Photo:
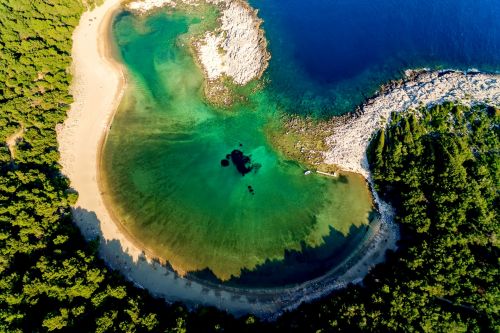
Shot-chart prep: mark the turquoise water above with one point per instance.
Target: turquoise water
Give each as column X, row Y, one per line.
column 274, row 225
column 329, row 55
column 162, row 165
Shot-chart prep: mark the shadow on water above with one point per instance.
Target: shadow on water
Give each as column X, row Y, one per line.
column 297, row 266
column 343, row 179
column 160, row 280
column 237, row 295
column 115, row 256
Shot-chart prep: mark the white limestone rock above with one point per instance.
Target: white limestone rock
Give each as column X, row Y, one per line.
column 237, row 49
column 145, row 6
column 350, row 139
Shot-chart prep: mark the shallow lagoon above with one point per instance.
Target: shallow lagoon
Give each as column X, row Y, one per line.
column 162, row 160
column 162, row 165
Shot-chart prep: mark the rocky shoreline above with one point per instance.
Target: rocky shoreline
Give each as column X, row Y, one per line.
column 144, row 7
column 233, row 53
column 345, row 139
column 238, row 49
column 351, row 134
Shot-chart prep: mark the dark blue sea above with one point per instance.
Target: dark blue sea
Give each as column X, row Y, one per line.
column 329, row 55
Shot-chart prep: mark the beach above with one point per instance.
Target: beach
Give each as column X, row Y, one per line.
column 97, row 88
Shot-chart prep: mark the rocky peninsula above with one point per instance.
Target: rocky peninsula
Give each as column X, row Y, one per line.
column 238, row 48
column 233, row 53
column 144, row 7
column 345, row 139
column 350, row 135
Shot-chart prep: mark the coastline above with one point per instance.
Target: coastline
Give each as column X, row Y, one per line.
column 350, row 135
column 98, row 87
column 234, row 53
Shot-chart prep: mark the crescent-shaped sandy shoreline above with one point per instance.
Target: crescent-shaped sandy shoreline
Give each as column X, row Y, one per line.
column 98, row 87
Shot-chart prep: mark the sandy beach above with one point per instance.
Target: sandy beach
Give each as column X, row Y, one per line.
column 97, row 88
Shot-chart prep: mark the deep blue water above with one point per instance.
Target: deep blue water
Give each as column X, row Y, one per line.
column 332, row 54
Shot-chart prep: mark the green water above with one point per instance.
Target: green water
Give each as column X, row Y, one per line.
column 162, row 167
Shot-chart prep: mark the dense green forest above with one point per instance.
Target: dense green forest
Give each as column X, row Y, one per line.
column 49, row 278
column 439, row 167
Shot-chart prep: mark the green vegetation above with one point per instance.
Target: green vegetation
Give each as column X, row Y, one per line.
column 50, row 279
column 440, row 170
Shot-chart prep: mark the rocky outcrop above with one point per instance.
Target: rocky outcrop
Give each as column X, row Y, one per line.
column 238, row 48
column 351, row 136
column 145, row 6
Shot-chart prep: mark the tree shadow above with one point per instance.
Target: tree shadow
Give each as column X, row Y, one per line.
column 115, row 256
column 239, row 297
column 297, row 266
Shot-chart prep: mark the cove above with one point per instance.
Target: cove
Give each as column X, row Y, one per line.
column 270, row 225
column 328, row 56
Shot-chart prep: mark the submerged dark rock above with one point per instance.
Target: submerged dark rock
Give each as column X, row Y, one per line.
column 241, row 161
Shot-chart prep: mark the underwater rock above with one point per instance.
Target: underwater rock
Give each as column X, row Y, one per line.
column 251, row 190
column 241, row 161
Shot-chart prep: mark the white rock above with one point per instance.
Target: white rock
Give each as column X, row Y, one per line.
column 144, row 6
column 237, row 49
column 348, row 144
